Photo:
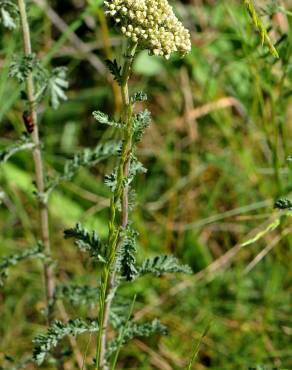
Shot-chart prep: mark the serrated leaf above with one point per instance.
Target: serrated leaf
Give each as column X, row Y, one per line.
column 21, row 67
column 161, row 265
column 284, row 204
column 85, row 159
column 57, row 84
column 111, row 180
column 104, row 119
column 14, row 259
column 135, row 168
column 135, row 330
column 45, row 343
column 141, row 122
column 115, row 70
column 126, row 259
column 139, row 96
column 87, row 242
column 78, row 294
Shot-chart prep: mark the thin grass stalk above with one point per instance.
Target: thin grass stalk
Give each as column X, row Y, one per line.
column 38, row 164
column 115, row 227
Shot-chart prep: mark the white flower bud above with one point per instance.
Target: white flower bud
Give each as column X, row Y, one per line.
column 150, row 23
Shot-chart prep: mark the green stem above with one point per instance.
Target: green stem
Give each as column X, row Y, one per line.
column 115, row 226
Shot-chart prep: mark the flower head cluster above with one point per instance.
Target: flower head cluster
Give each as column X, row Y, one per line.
column 150, row 23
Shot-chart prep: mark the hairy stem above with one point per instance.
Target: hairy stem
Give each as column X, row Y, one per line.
column 115, row 226
column 38, row 164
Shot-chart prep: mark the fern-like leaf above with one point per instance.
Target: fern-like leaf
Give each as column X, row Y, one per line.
column 139, row 96
column 78, row 294
column 14, row 259
column 85, row 159
column 8, row 14
column 126, row 261
column 162, row 265
column 104, row 119
column 21, row 67
column 111, row 180
column 87, row 242
column 136, row 167
column 45, row 343
column 56, row 85
column 136, row 330
column 115, row 70
column 284, row 204
column 141, row 122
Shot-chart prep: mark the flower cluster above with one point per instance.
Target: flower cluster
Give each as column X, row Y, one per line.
column 150, row 23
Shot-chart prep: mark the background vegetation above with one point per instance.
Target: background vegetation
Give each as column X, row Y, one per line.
column 216, row 155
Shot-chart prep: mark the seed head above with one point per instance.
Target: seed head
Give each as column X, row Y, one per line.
column 152, row 24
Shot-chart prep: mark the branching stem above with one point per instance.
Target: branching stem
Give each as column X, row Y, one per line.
column 38, row 163
column 115, row 226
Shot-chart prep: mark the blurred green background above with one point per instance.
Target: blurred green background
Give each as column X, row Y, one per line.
column 216, row 157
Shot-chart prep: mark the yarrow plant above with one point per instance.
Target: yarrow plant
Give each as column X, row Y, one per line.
column 149, row 25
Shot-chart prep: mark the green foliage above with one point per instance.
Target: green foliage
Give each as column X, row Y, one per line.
column 87, row 242
column 197, row 204
column 136, row 330
column 24, row 143
column 77, row 294
column 22, row 66
column 115, row 70
column 8, row 14
column 161, row 265
column 284, row 204
column 52, row 83
column 105, row 120
column 141, row 122
column 111, row 180
column 45, row 343
column 127, row 254
column 14, row 259
column 56, row 85
column 136, row 167
column 85, row 159
column 260, row 27
column 139, row 96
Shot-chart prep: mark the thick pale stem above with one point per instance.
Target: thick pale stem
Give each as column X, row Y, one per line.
column 120, row 195
column 39, row 171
